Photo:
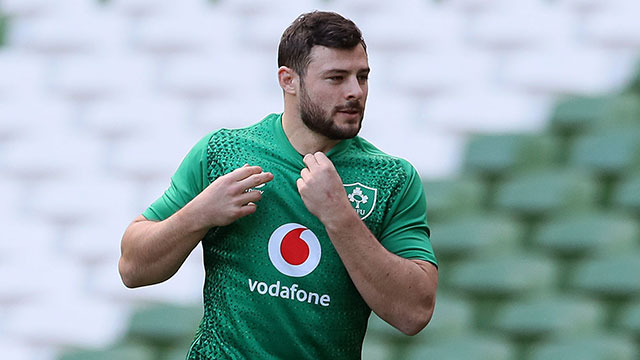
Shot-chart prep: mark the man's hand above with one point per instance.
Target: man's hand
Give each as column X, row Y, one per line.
column 227, row 198
column 152, row 251
column 321, row 188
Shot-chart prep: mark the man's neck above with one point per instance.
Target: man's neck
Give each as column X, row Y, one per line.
column 303, row 139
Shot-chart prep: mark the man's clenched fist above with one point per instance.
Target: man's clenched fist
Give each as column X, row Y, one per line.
column 321, row 188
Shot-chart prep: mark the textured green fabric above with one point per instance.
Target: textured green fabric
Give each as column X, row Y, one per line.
column 258, row 306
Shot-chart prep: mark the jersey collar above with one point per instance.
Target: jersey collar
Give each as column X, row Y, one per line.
column 335, row 151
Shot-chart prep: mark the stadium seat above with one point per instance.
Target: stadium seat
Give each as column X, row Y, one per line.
column 382, row 341
column 477, row 6
column 96, row 242
column 380, row 328
column 121, row 352
column 196, row 77
column 502, row 154
column 613, row 276
column 184, row 288
column 540, row 317
column 627, row 193
column 483, row 108
column 15, row 288
column 157, row 156
column 542, row 192
column 24, row 8
column 20, row 119
column 437, row 158
column 609, row 152
column 82, row 201
column 378, row 349
column 618, row 30
column 65, row 32
column 602, row 346
column 11, row 201
column 67, row 319
column 165, row 323
column 436, row 73
column 591, row 233
column 17, row 350
column 51, row 152
column 177, row 352
column 515, row 27
column 171, row 33
column 95, row 77
column 517, row 275
column 579, row 114
column 576, row 114
column 634, row 83
column 42, row 241
column 452, row 197
column 407, row 36
column 20, row 78
column 561, row 70
column 137, row 8
column 10, row 128
column 629, row 319
column 452, row 317
column 471, row 347
column 226, row 113
column 621, row 110
column 476, row 235
column 116, row 119
column 261, row 33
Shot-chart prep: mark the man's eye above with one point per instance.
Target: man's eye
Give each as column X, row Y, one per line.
column 335, row 78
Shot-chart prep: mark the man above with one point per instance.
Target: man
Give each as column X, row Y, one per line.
column 305, row 227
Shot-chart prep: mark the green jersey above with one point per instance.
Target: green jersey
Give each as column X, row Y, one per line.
column 275, row 287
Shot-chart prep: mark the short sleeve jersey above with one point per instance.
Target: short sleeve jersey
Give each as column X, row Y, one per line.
column 275, row 287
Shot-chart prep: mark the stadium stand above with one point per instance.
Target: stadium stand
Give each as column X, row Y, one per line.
column 596, row 347
column 526, row 136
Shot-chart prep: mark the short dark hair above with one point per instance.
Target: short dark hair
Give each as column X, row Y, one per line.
column 316, row 28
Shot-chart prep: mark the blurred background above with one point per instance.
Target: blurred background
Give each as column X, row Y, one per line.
column 523, row 118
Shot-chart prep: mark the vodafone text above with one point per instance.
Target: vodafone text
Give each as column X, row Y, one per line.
column 292, row 292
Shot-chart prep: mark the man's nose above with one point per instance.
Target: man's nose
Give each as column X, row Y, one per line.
column 354, row 90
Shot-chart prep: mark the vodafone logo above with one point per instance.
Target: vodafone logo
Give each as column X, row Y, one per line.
column 294, row 250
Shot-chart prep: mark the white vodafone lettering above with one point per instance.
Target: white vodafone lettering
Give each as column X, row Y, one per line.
column 289, row 292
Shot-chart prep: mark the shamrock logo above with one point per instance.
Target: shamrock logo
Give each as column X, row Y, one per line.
column 358, row 197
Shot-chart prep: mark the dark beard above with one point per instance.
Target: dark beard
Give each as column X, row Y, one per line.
column 319, row 122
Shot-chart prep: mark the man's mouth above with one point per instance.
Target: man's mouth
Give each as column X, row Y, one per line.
column 351, row 110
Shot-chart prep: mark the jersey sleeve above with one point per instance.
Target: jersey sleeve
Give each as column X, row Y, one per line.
column 406, row 233
column 186, row 183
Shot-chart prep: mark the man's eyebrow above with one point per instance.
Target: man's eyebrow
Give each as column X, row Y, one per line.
column 343, row 71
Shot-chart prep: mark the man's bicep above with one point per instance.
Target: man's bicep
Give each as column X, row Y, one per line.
column 407, row 233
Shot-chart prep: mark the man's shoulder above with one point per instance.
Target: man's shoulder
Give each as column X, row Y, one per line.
column 255, row 131
column 367, row 151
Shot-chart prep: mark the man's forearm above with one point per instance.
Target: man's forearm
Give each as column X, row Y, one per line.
column 153, row 251
column 400, row 291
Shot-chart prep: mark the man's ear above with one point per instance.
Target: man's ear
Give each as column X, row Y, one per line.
column 288, row 80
